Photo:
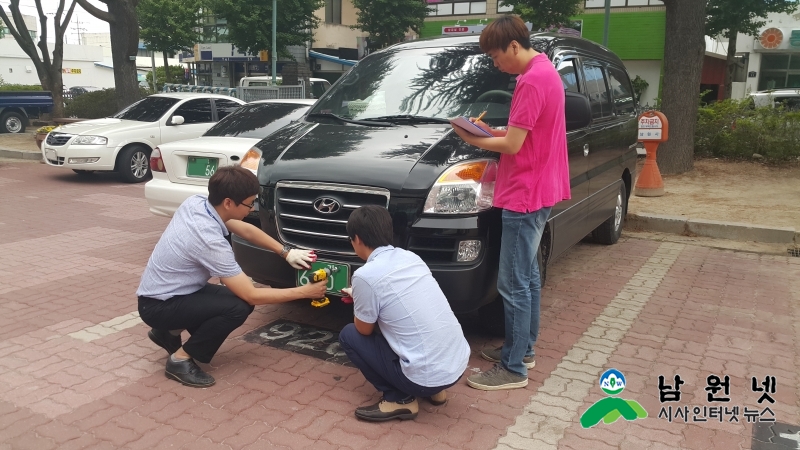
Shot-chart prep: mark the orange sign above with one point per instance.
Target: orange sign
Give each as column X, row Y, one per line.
column 771, row 38
column 653, row 127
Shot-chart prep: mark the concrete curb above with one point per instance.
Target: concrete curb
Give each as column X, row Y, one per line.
column 19, row 154
column 710, row 228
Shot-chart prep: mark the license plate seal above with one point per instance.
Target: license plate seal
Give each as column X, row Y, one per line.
column 340, row 275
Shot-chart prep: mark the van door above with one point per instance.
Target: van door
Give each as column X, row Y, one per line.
column 569, row 217
column 605, row 141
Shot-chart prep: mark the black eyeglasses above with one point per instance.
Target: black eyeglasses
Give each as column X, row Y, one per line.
column 251, row 205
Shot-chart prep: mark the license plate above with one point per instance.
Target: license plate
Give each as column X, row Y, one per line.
column 201, row 167
column 340, row 276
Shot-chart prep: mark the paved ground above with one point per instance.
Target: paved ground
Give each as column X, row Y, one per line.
column 77, row 371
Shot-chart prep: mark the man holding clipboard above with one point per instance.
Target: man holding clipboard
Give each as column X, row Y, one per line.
column 533, row 175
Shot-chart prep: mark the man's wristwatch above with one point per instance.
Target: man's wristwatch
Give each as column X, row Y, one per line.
column 285, row 251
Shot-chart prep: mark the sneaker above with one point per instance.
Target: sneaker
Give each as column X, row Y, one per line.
column 493, row 355
column 497, row 378
column 165, row 340
column 438, row 399
column 386, row 410
column 188, row 372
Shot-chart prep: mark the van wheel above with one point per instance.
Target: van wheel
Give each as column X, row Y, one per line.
column 133, row 163
column 492, row 316
column 609, row 231
column 12, row 122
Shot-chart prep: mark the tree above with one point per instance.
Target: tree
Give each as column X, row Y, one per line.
column 175, row 76
column 684, row 49
column 387, row 21
column 169, row 26
column 48, row 69
column 124, row 27
column 545, row 14
column 728, row 18
column 250, row 23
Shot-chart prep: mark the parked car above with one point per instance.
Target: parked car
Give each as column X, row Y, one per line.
column 182, row 168
column 788, row 98
column 380, row 136
column 16, row 109
column 124, row 141
column 318, row 86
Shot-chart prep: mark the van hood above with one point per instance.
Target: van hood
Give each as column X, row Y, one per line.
column 103, row 127
column 399, row 158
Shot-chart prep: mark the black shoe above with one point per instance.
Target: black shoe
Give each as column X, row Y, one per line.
column 188, row 373
column 384, row 410
column 165, row 340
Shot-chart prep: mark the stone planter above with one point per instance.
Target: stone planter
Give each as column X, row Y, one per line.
column 40, row 137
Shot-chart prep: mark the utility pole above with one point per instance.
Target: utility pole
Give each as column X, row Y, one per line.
column 274, row 31
column 605, row 27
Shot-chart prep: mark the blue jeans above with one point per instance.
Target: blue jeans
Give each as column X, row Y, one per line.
column 381, row 365
column 520, row 285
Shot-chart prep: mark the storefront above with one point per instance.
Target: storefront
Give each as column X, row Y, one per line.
column 779, row 65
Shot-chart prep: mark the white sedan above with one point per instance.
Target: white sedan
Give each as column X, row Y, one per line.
column 182, row 169
column 124, row 141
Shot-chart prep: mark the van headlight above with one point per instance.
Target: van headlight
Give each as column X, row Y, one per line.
column 464, row 188
column 90, row 140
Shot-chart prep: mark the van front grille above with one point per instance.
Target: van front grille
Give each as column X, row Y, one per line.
column 314, row 215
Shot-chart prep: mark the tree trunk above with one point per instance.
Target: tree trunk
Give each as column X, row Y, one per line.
column 57, row 89
column 683, row 63
column 124, row 44
column 166, row 68
column 731, row 62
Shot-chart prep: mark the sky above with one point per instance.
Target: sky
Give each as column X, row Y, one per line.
column 82, row 21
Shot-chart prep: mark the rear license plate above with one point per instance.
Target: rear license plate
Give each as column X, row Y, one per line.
column 339, row 279
column 201, row 167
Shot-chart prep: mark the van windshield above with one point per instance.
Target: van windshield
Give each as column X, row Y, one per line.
column 428, row 82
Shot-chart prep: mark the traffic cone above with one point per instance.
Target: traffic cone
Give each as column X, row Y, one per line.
column 649, row 183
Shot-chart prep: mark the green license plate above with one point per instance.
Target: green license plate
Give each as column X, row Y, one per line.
column 340, row 276
column 201, row 167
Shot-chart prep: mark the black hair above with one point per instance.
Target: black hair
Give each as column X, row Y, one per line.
column 372, row 224
column 233, row 182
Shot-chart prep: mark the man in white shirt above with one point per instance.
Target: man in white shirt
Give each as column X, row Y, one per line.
column 405, row 339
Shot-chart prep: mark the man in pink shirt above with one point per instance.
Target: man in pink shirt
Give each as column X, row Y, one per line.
column 532, row 177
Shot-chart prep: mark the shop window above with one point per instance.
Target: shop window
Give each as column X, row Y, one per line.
column 779, row 71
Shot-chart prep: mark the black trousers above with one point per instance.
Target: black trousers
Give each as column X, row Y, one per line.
column 210, row 315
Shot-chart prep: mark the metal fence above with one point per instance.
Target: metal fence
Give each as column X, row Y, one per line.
column 248, row 94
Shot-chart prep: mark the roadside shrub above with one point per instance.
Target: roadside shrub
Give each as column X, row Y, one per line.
column 20, row 87
column 92, row 105
column 734, row 129
column 175, row 77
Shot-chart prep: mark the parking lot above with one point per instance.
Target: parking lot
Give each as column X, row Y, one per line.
column 77, row 370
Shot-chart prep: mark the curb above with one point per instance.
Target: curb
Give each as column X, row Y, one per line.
column 19, row 154
column 735, row 231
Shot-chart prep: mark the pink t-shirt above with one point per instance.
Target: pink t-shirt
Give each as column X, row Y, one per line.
column 538, row 176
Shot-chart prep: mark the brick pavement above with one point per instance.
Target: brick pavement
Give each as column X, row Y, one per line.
column 77, row 371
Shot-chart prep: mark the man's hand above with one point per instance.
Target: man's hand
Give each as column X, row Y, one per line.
column 300, row 259
column 315, row 290
column 348, row 292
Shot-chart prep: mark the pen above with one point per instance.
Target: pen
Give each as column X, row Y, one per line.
column 481, row 116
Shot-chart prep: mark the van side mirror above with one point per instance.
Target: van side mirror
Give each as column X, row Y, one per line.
column 176, row 120
column 577, row 110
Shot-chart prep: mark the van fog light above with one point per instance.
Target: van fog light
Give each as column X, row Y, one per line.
column 82, row 160
column 468, row 251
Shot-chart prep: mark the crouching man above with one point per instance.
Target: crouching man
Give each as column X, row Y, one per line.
column 174, row 293
column 404, row 339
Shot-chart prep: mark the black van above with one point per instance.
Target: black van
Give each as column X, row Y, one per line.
column 380, row 136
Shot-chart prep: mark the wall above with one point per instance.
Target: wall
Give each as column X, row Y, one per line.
column 17, row 68
column 632, row 35
column 329, row 35
column 650, row 71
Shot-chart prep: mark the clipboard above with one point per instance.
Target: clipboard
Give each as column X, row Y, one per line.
column 465, row 123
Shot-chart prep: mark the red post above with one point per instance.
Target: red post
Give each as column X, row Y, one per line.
column 653, row 130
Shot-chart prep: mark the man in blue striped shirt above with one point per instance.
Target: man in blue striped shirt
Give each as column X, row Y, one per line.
column 174, row 293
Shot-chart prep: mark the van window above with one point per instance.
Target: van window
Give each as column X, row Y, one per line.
column 430, row 82
column 568, row 75
column 195, row 111
column 597, row 91
column 621, row 90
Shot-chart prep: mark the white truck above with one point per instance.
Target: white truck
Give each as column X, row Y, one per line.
column 318, row 86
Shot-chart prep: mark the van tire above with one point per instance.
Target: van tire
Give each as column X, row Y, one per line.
column 133, row 163
column 12, row 122
column 608, row 232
